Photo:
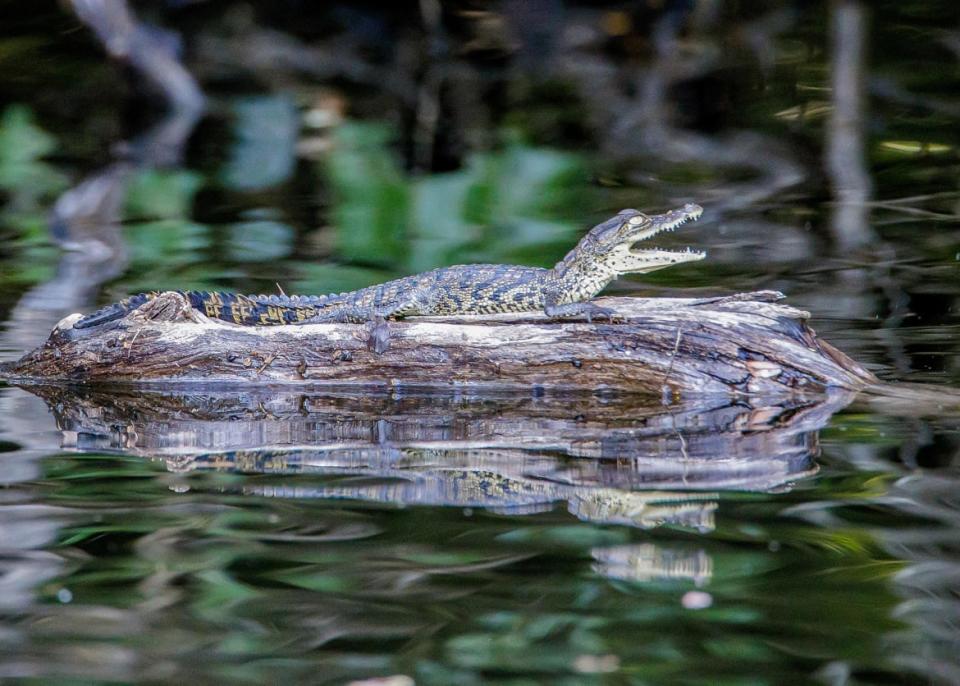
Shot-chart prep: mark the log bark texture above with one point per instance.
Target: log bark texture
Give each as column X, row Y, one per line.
column 741, row 344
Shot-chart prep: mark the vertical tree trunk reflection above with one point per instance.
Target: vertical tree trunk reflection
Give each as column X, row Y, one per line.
column 845, row 154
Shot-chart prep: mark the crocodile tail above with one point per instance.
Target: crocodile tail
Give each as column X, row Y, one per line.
column 255, row 310
column 114, row 311
column 278, row 310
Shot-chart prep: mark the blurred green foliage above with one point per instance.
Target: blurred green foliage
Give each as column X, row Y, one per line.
column 343, row 586
column 166, row 246
column 265, row 134
column 162, row 194
column 370, row 197
column 28, row 182
column 27, row 186
column 519, row 203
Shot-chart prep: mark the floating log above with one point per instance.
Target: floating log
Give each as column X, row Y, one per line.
column 741, row 344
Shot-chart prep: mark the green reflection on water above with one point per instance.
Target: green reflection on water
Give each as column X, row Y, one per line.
column 243, row 556
column 352, row 588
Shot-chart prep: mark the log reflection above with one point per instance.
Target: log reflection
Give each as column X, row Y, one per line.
column 610, row 461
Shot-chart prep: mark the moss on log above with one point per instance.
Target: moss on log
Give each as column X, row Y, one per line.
column 742, row 344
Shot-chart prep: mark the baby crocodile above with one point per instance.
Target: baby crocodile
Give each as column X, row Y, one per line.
column 605, row 253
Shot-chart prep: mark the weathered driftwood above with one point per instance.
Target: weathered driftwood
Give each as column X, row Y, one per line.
column 739, row 344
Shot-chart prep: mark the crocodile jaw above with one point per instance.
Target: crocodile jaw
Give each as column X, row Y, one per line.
column 648, row 227
column 627, row 261
column 624, row 259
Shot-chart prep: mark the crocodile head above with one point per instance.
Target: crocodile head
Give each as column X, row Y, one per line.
column 611, row 244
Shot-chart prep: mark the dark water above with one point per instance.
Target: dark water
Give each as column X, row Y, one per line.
column 252, row 536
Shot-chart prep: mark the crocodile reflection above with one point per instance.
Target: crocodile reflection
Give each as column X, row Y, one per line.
column 489, row 480
column 616, row 461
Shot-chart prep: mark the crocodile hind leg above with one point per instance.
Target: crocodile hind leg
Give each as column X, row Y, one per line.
column 416, row 303
column 376, row 316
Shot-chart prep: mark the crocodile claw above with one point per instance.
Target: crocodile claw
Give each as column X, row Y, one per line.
column 597, row 312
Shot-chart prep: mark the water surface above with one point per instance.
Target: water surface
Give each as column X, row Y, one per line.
column 215, row 535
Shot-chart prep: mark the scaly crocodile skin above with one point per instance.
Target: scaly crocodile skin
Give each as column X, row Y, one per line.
column 601, row 256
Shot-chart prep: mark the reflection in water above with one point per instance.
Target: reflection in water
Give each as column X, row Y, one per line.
column 929, row 582
column 641, row 465
column 161, row 551
column 86, row 222
column 915, row 519
column 846, row 146
column 27, row 533
column 501, row 481
column 648, row 562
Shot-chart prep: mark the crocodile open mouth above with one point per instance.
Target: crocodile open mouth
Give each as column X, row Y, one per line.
column 661, row 223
